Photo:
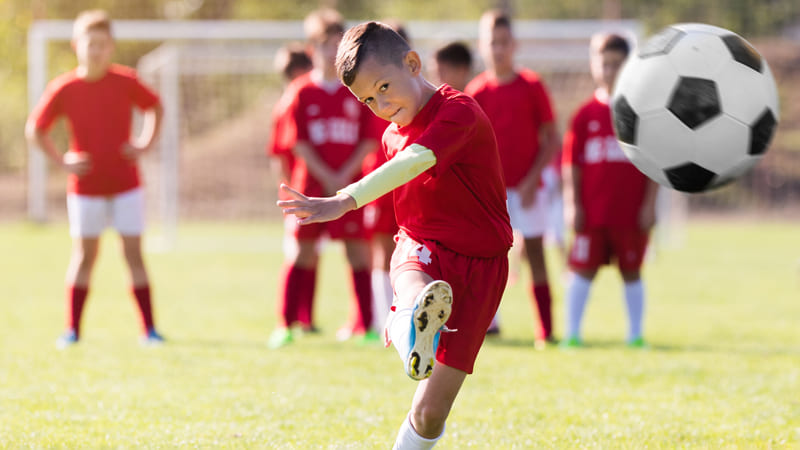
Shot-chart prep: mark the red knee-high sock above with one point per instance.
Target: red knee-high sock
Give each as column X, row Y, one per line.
column 541, row 294
column 362, row 285
column 76, row 298
column 294, row 292
column 305, row 307
column 142, row 296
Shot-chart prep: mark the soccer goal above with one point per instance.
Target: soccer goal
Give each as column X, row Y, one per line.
column 217, row 83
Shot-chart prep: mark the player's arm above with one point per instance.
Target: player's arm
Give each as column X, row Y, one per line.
column 151, row 127
column 549, row 144
column 77, row 163
column 647, row 215
column 574, row 210
column 353, row 164
column 404, row 167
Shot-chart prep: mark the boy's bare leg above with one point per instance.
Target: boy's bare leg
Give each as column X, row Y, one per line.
column 433, row 399
column 132, row 248
column 84, row 255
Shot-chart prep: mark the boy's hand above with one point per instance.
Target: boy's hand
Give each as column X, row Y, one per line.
column 78, row 163
column 315, row 209
column 132, row 152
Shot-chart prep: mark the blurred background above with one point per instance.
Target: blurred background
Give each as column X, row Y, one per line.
column 212, row 62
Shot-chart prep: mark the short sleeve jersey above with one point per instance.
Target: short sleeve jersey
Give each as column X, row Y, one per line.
column 517, row 110
column 460, row 202
column 99, row 117
column 329, row 119
column 612, row 188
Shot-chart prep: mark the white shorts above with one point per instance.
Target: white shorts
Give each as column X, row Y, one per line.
column 89, row 215
column 530, row 221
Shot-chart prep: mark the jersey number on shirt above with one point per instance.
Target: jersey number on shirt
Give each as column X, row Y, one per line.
column 334, row 130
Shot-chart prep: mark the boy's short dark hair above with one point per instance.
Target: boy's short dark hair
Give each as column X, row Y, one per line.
column 494, row 18
column 322, row 24
column 456, row 54
column 610, row 42
column 91, row 20
column 398, row 26
column 292, row 57
column 369, row 39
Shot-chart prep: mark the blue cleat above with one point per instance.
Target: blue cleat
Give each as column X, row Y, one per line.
column 431, row 311
column 68, row 339
column 151, row 338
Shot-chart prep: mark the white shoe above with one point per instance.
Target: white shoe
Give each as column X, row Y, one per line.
column 431, row 311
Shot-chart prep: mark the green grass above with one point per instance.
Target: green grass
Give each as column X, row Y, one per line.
column 723, row 369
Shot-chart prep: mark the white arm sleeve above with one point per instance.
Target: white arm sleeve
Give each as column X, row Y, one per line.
column 404, row 167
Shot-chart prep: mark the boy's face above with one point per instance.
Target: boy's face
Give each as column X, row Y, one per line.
column 94, row 49
column 454, row 75
column 497, row 47
column 605, row 67
column 392, row 92
column 325, row 51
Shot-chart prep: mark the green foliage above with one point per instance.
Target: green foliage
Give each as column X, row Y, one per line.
column 722, row 322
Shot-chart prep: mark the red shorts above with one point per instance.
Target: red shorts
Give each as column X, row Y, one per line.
column 595, row 247
column 379, row 216
column 349, row 226
column 477, row 283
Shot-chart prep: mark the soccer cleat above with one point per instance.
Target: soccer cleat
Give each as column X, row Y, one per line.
column 151, row 338
column 637, row 343
column 431, row 311
column 572, row 342
column 542, row 344
column 67, row 339
column 281, row 337
column 370, row 338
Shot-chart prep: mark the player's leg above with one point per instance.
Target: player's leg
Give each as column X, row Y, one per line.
column 297, row 288
column 127, row 216
column 630, row 247
column 87, row 218
column 382, row 293
column 585, row 258
column 432, row 402
column 533, row 228
column 358, row 255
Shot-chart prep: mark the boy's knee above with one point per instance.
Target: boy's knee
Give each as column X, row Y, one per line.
column 429, row 420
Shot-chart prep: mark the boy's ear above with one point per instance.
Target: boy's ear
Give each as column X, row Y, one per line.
column 413, row 62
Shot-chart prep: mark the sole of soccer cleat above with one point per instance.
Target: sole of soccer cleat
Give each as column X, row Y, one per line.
column 431, row 311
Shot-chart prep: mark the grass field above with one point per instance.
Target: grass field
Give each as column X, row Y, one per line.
column 722, row 371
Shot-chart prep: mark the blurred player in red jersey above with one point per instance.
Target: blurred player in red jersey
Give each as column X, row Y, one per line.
column 291, row 61
column 330, row 134
column 450, row 266
column 452, row 64
column 519, row 107
column 612, row 203
column 103, row 186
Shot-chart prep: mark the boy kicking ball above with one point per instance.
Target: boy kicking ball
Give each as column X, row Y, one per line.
column 450, row 265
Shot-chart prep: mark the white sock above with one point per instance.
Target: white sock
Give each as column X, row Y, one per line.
column 382, row 294
column 399, row 327
column 577, row 294
column 634, row 297
column 409, row 439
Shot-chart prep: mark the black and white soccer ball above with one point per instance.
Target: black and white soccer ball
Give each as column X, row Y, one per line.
column 695, row 107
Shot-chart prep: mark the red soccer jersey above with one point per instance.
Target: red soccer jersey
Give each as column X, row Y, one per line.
column 461, row 201
column 99, row 117
column 612, row 188
column 331, row 120
column 517, row 109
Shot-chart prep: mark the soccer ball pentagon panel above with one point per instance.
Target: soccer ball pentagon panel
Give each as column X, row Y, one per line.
column 695, row 107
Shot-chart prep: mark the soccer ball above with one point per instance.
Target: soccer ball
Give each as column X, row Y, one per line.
column 695, row 107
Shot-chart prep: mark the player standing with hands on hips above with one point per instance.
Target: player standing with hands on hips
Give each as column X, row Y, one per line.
column 450, row 266
column 103, row 186
column 612, row 203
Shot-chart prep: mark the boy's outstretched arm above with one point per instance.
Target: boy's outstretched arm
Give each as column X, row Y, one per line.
column 315, row 209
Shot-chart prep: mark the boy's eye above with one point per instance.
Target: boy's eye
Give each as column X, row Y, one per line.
column 368, row 100
column 384, row 87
